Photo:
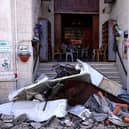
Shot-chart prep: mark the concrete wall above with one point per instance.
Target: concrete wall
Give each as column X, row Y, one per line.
column 7, row 76
column 120, row 13
column 23, row 21
column 17, row 19
column 27, row 15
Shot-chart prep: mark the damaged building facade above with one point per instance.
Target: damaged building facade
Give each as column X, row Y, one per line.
column 18, row 19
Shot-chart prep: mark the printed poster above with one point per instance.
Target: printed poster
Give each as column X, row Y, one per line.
column 5, row 56
column 5, row 62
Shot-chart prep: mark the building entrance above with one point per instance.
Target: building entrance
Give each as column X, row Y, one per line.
column 78, row 31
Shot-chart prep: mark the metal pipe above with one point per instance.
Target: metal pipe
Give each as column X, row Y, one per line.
column 16, row 37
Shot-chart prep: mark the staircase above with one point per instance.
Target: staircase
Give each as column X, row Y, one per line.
column 108, row 69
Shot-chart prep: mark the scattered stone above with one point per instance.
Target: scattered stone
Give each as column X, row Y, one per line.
column 30, row 95
column 20, row 119
column 22, row 126
column 39, row 97
column 36, row 125
column 53, row 123
column 8, row 121
column 101, row 126
column 5, row 125
column 7, row 117
column 87, row 122
column 50, row 128
column 8, row 125
column 35, row 100
column 67, row 122
column 112, row 127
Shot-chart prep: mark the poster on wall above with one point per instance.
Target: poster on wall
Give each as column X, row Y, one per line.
column 5, row 62
column 5, row 56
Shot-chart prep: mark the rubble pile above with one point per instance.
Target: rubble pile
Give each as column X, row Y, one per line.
column 72, row 100
column 69, row 122
column 77, row 117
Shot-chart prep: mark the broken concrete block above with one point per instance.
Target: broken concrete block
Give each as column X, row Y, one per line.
column 8, row 125
column 36, row 125
column 7, row 117
column 22, row 126
column 5, row 125
column 39, row 97
column 20, row 119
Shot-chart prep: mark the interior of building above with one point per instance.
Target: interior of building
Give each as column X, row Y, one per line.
column 78, row 31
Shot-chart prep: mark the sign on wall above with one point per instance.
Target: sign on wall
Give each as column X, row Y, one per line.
column 5, row 56
column 5, row 46
column 5, row 63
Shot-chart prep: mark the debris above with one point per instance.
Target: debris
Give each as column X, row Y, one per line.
column 36, row 125
column 34, row 110
column 116, row 112
column 65, row 70
column 39, row 97
column 4, row 125
column 42, row 76
column 71, row 101
column 80, row 111
column 7, row 117
column 67, row 123
column 84, row 72
column 99, row 117
column 20, row 119
column 124, row 97
column 88, row 123
column 22, row 126
column 75, row 91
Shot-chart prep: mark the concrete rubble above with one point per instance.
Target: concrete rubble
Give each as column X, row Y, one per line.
column 75, row 115
column 69, row 122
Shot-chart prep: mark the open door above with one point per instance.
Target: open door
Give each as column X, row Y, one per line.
column 82, row 28
column 58, row 31
column 95, row 32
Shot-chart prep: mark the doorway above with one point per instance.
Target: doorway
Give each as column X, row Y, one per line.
column 82, row 30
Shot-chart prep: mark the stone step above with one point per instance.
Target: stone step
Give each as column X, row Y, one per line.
column 108, row 69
